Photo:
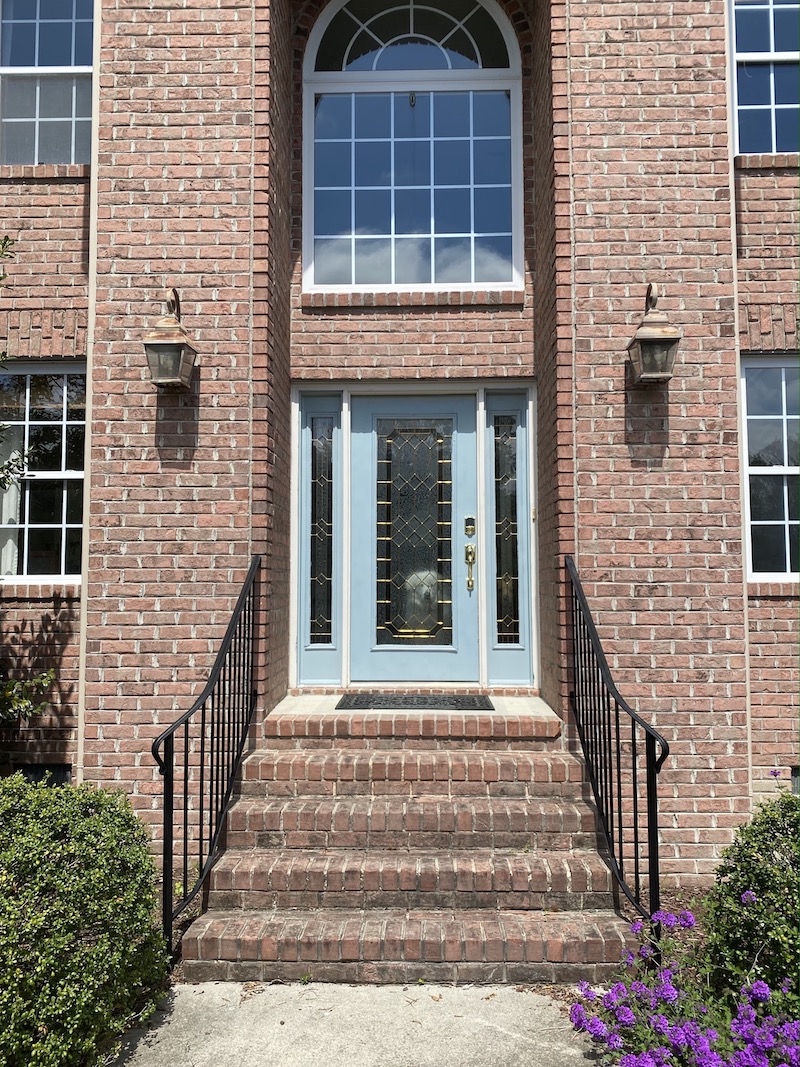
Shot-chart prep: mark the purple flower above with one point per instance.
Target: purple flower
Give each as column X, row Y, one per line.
column 637, row 926
column 759, row 992
column 596, row 1028
column 775, row 772
column 629, row 959
column 578, row 1017
column 614, row 1041
column 666, row 918
column 667, row 992
column 625, row 1016
column 586, row 991
column 686, row 920
column 748, row 897
column 645, row 952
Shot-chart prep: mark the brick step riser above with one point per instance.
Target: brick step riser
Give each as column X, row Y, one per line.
column 399, row 972
column 406, row 744
column 417, row 840
column 381, row 899
column 455, row 790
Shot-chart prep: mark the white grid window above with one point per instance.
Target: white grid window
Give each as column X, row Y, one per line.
column 413, row 128
column 43, row 419
column 767, row 44
column 771, row 399
column 45, row 81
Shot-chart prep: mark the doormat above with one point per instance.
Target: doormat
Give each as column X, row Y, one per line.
column 413, row 702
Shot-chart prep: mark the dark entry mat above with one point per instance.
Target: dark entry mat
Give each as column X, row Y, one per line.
column 413, row 702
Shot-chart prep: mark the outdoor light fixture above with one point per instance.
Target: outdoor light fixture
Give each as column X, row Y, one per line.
column 652, row 348
column 170, row 355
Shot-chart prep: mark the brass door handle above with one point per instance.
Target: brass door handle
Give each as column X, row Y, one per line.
column 470, row 554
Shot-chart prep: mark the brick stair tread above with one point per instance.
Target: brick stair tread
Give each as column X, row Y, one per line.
column 325, row 772
column 376, row 871
column 370, row 815
column 429, row 728
column 399, row 946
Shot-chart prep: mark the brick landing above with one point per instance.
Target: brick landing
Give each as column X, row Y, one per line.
column 387, row 847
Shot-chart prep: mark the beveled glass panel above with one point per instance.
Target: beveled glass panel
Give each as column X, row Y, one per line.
column 414, row 532
column 76, row 439
column 321, row 571
column 507, row 617
column 412, row 54
column 74, row 501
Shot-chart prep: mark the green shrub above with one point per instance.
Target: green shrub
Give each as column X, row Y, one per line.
column 752, row 913
column 80, row 954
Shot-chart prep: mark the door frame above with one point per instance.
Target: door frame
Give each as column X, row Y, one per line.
column 340, row 395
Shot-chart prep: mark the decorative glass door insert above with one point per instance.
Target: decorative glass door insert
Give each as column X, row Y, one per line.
column 414, row 532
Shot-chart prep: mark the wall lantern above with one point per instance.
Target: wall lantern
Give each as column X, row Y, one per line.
column 170, row 354
column 652, row 348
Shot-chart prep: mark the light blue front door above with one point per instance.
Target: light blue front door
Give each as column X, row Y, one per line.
column 414, row 600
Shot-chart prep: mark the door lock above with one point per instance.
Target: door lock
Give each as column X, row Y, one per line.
column 470, row 555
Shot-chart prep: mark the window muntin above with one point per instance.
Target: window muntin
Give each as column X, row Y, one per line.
column 415, row 181
column 43, row 418
column 771, row 397
column 767, row 46
column 45, row 81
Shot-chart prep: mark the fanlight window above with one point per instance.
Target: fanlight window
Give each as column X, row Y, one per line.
column 412, row 123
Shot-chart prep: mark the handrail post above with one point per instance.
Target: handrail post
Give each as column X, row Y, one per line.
column 653, row 873
column 169, row 837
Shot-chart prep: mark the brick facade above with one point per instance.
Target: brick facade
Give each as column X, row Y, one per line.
column 628, row 180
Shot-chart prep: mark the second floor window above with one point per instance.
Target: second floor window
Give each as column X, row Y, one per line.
column 767, row 41
column 45, row 81
column 413, row 148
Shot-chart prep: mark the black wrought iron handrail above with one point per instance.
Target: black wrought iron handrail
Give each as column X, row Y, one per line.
column 609, row 731
column 209, row 740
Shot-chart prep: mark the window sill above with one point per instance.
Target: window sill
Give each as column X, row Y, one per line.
column 20, row 587
column 783, row 588
column 41, row 172
column 767, row 161
column 451, row 298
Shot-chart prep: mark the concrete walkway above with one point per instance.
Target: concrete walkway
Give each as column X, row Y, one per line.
column 256, row 1025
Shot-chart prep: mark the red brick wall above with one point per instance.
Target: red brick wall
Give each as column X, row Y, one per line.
column 173, row 474
column 657, row 470
column 43, row 302
column 768, row 242
column 39, row 632
column 774, row 620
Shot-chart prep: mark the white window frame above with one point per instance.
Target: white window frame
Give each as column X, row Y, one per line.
column 773, row 56
column 748, row 471
column 41, row 72
column 419, row 81
column 62, row 475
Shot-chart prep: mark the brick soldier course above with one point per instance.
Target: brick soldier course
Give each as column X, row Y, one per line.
column 350, row 826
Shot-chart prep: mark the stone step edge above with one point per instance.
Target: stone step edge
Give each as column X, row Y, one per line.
column 419, row 937
column 417, row 726
column 355, row 814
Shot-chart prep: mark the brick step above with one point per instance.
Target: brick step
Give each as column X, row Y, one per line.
column 320, row 772
column 423, row 823
column 400, row 947
column 340, row 878
column 388, row 729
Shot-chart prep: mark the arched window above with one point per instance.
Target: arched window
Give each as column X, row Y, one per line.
column 412, row 147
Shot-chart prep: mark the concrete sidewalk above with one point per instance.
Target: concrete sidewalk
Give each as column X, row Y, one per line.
column 254, row 1025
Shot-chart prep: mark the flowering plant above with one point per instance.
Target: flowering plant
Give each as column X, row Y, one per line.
column 659, row 1013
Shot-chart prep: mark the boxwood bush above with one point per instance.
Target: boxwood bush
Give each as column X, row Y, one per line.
column 80, row 952
column 752, row 912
